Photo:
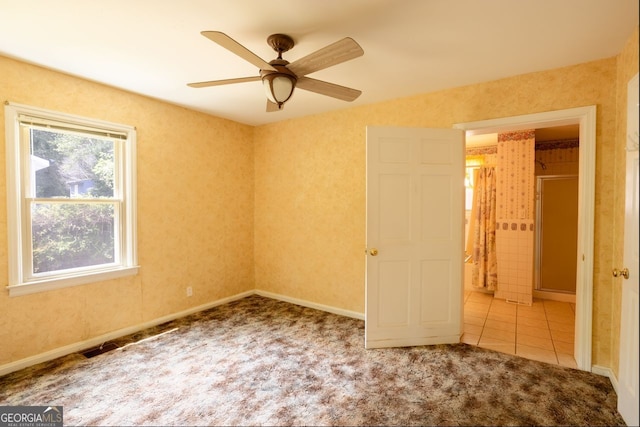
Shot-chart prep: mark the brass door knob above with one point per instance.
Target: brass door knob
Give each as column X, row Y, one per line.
column 624, row 273
column 373, row 252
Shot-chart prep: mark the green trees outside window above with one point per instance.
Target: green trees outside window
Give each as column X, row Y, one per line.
column 72, row 209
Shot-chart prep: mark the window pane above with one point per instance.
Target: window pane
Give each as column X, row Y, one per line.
column 72, row 235
column 468, row 198
column 70, row 165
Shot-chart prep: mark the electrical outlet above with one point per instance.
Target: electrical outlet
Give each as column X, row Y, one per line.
column 189, row 291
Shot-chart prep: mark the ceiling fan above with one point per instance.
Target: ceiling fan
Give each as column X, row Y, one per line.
column 280, row 78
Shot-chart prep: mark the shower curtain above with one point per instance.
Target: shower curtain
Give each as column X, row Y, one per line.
column 485, row 268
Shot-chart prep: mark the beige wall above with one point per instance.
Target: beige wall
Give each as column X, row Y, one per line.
column 195, row 215
column 220, row 202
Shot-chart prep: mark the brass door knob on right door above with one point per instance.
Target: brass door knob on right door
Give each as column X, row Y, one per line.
column 373, row 252
column 624, row 273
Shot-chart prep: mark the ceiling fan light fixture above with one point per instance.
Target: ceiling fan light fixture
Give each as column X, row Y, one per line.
column 278, row 87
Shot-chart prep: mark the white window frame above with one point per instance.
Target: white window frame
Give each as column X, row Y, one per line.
column 21, row 281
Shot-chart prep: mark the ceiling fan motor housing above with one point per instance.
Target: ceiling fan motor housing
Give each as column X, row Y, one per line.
column 280, row 43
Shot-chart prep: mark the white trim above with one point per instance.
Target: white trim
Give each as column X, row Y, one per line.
column 92, row 342
column 606, row 372
column 64, row 282
column 14, row 254
column 586, row 118
column 83, row 345
column 555, row 296
column 309, row 304
column 528, row 121
column 70, row 118
column 21, row 279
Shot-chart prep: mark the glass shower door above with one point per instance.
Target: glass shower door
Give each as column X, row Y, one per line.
column 556, row 233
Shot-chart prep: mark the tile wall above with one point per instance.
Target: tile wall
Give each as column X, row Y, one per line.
column 515, row 198
column 515, row 244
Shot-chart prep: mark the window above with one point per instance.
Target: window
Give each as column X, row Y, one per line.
column 472, row 163
column 70, row 199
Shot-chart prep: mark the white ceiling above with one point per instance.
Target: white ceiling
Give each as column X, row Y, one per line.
column 154, row 47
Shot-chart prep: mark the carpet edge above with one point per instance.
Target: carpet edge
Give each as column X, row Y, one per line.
column 91, row 342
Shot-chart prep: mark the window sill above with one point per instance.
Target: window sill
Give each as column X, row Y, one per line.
column 65, row 282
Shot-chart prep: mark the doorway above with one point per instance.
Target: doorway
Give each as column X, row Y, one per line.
column 543, row 329
column 585, row 118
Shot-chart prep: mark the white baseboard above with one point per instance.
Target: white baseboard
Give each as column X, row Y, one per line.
column 555, row 296
column 606, row 372
column 309, row 304
column 95, row 341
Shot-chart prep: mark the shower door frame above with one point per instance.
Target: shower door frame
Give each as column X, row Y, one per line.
column 539, row 219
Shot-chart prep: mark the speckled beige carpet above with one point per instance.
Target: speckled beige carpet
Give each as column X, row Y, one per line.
column 258, row 361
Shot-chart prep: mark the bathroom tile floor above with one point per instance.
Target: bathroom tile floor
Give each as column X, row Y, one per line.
column 543, row 331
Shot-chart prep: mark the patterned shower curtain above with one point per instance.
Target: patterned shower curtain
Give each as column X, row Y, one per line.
column 485, row 266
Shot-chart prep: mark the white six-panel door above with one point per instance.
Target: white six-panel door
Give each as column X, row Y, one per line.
column 415, row 229
column 629, row 373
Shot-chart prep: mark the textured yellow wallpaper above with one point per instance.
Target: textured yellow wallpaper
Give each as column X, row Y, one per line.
column 310, row 210
column 310, row 182
column 195, row 215
column 227, row 208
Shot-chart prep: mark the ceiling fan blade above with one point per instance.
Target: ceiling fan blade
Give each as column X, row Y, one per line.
column 328, row 89
column 224, row 82
column 272, row 106
column 333, row 54
column 230, row 44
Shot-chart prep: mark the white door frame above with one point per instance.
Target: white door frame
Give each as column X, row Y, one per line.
column 585, row 117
